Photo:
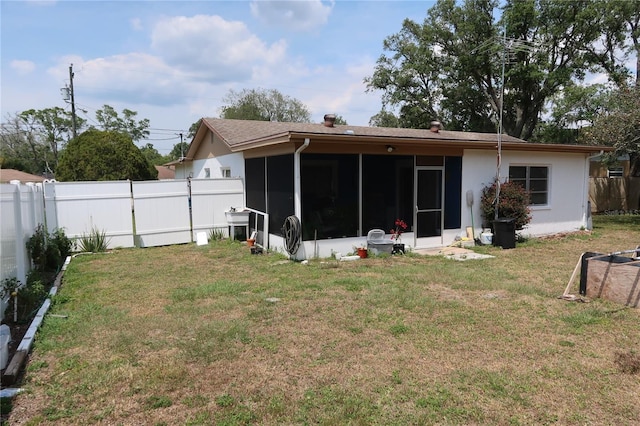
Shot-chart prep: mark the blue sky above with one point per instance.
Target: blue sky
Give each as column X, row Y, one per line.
column 174, row 61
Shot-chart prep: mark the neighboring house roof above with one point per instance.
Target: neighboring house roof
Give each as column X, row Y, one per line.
column 166, row 172
column 242, row 135
column 7, row 175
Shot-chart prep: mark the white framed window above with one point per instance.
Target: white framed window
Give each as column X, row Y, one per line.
column 207, row 173
column 225, row 172
column 535, row 179
column 615, row 172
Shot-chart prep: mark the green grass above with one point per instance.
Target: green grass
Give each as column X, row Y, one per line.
column 188, row 335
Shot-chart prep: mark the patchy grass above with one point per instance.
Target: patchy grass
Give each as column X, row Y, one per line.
column 190, row 335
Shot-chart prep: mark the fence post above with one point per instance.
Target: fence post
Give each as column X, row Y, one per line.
column 50, row 208
column 20, row 249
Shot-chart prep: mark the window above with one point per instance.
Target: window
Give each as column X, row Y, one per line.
column 615, row 172
column 535, row 179
column 225, row 172
column 207, row 173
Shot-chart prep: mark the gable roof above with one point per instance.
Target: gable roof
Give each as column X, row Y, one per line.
column 7, row 175
column 240, row 135
column 166, row 172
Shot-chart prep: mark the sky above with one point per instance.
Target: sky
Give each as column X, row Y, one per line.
column 174, row 61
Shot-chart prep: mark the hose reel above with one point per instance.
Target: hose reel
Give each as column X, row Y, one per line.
column 292, row 233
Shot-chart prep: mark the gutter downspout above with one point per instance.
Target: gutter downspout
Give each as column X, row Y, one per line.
column 297, row 185
column 586, row 209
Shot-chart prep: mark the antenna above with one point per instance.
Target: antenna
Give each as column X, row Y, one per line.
column 509, row 47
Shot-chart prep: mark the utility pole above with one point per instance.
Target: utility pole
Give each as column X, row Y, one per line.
column 73, row 103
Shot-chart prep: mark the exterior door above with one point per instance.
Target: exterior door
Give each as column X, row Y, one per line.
column 429, row 196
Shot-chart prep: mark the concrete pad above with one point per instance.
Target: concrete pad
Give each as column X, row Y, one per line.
column 456, row 253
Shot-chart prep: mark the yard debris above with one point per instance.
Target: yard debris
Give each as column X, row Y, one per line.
column 611, row 276
column 573, row 298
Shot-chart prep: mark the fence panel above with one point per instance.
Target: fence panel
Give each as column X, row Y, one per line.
column 31, row 208
column 82, row 207
column 22, row 212
column 161, row 211
column 210, row 198
column 50, row 211
column 8, row 230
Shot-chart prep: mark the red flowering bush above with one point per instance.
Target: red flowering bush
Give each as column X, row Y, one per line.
column 401, row 226
column 513, row 203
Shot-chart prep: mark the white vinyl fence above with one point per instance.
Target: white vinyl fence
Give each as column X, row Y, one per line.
column 142, row 214
column 81, row 207
column 21, row 211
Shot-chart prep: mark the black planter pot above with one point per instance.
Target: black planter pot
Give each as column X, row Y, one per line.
column 398, row 249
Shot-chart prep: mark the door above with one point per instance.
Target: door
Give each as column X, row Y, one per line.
column 429, row 219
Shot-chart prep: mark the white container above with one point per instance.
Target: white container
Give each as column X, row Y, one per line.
column 5, row 338
column 486, row 238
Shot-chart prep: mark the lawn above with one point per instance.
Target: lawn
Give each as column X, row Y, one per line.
column 198, row 335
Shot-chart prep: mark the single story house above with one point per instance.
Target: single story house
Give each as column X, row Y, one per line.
column 341, row 181
column 166, row 172
column 8, row 175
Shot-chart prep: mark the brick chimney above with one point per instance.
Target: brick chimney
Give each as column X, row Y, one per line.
column 435, row 126
column 329, row 120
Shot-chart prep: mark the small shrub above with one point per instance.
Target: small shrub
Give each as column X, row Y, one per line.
column 513, row 203
column 29, row 296
column 216, row 234
column 9, row 287
column 93, row 242
column 62, row 242
column 48, row 251
column 37, row 247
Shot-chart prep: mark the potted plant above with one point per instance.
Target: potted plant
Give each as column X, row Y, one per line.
column 396, row 235
column 506, row 213
column 362, row 252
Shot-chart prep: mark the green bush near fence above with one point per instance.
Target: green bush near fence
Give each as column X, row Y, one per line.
column 48, row 251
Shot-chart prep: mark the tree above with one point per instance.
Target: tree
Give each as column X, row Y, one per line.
column 152, row 155
column 97, row 155
column 450, row 67
column 19, row 148
column 384, row 119
column 620, row 28
column 109, row 120
column 193, row 129
column 618, row 125
column 53, row 125
column 576, row 107
column 340, row 120
column 264, row 105
column 179, row 150
column 34, row 138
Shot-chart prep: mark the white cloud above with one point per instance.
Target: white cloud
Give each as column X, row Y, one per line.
column 134, row 77
column 213, row 49
column 292, row 15
column 23, row 67
column 136, row 24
